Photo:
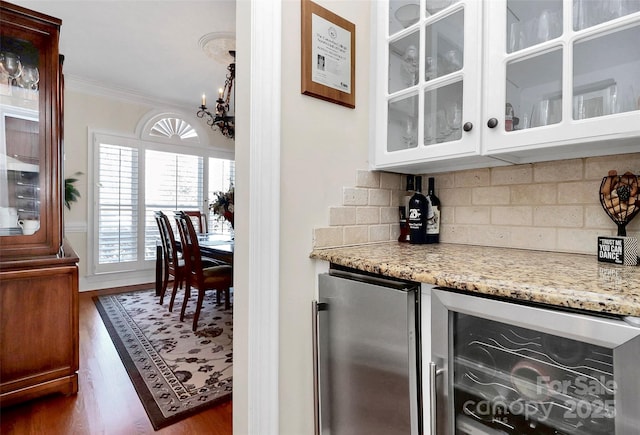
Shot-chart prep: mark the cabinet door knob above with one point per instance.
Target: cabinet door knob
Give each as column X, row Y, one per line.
column 467, row 126
column 492, row 123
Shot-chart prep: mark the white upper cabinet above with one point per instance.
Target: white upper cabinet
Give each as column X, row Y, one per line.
column 468, row 83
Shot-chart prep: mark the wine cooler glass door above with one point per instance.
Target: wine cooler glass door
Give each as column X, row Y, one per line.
column 531, row 370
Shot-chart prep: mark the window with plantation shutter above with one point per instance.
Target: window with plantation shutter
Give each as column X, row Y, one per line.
column 117, row 204
column 173, row 182
column 134, row 178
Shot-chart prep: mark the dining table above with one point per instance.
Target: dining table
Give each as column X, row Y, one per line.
column 212, row 245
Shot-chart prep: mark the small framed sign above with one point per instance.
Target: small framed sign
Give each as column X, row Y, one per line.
column 328, row 55
column 618, row 250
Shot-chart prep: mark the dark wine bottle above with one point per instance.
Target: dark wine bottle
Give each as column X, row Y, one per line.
column 418, row 215
column 433, row 217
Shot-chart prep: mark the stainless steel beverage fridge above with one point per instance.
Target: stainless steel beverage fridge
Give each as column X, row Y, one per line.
column 367, row 355
column 508, row 368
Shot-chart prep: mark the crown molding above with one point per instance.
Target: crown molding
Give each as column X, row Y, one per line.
column 99, row 89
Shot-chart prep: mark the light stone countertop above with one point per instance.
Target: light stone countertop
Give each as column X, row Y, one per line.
column 569, row 280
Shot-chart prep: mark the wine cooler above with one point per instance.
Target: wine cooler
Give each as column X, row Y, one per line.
column 502, row 368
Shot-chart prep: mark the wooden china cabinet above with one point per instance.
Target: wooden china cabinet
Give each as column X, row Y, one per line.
column 38, row 269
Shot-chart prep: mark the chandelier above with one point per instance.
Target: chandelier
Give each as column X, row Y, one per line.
column 222, row 119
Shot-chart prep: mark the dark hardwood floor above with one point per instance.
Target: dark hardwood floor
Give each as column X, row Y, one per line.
column 106, row 402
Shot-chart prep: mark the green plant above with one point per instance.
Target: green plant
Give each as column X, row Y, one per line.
column 71, row 194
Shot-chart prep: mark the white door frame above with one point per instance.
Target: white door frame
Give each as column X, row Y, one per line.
column 264, row 217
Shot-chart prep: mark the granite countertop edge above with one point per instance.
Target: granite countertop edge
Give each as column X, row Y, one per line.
column 560, row 279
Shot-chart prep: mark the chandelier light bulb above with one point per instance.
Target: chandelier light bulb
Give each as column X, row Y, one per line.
column 204, row 100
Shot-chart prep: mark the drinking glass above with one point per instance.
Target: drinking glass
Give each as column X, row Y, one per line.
column 409, row 135
column 515, row 37
column 410, row 65
column 454, row 117
column 29, row 78
column 544, row 26
column 540, row 114
column 11, row 65
column 453, row 61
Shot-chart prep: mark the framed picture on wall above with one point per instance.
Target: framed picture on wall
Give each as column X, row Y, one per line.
column 328, row 55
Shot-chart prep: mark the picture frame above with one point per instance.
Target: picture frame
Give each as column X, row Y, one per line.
column 328, row 55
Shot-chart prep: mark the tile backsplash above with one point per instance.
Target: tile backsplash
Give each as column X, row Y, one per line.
column 550, row 206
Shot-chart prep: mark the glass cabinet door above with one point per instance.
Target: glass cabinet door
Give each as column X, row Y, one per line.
column 557, row 71
column 433, row 79
column 30, row 172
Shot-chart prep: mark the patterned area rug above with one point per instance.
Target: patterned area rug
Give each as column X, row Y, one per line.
column 175, row 371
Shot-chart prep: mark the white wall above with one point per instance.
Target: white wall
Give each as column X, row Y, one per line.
column 322, row 146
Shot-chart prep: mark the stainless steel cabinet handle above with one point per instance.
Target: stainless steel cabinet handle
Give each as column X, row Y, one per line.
column 434, row 372
column 316, row 367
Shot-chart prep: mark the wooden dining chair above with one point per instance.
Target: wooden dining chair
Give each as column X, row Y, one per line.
column 174, row 264
column 218, row 278
column 199, row 220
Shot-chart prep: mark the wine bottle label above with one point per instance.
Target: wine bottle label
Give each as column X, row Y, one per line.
column 433, row 223
column 415, row 219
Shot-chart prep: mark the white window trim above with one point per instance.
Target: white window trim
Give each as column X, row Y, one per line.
column 141, row 270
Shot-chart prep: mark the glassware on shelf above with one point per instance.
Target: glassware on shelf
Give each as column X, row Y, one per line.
column 430, row 72
column 452, row 61
column 11, row 65
column 410, row 65
column 408, row 14
column 29, row 78
column 454, row 121
column 410, row 133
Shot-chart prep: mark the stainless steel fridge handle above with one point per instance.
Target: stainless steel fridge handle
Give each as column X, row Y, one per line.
column 433, row 392
column 316, row 367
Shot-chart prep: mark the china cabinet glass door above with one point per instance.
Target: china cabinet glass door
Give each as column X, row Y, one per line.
column 560, row 71
column 30, row 187
column 431, row 98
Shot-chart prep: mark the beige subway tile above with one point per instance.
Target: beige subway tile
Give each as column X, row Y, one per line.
column 327, row 237
column 355, row 235
column 367, row 179
column 379, row 233
column 445, row 180
column 579, row 240
column 473, row 178
column 579, row 192
column 598, row 167
column 394, row 231
column 595, row 217
column 447, row 215
column 497, row 195
column 454, row 233
column 472, row 215
column 342, row 216
column 354, row 196
column 560, row 170
column 558, row 216
column 367, row 215
column 489, row 235
column 511, row 215
column 397, row 198
column 389, row 215
column 518, row 174
column 534, row 194
column 453, row 197
column 379, row 197
column 389, row 180
column 543, row 239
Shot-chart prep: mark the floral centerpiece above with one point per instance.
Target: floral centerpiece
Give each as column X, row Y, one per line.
column 223, row 205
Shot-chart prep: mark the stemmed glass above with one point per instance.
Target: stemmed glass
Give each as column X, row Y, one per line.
column 454, row 120
column 29, row 78
column 11, row 65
